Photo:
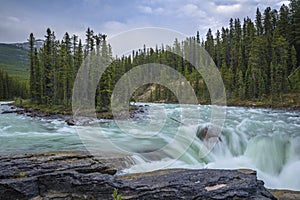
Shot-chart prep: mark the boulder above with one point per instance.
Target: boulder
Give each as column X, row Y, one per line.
column 207, row 132
column 79, row 175
column 71, row 122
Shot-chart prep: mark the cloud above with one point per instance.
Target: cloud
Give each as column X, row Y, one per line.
column 283, row 2
column 13, row 19
column 229, row 9
column 159, row 10
column 145, row 9
column 150, row 10
column 19, row 18
column 115, row 26
column 192, row 10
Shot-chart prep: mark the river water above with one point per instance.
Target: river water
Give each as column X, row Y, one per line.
column 265, row 140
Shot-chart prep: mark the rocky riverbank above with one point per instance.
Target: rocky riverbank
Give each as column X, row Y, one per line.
column 78, row 175
column 134, row 112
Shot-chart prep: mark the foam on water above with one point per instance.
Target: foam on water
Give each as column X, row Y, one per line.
column 264, row 140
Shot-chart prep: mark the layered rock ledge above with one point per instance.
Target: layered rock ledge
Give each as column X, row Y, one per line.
column 78, row 175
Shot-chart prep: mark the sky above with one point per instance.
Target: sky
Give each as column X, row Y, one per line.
column 19, row 18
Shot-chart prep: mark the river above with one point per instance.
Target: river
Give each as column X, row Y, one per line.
column 265, row 140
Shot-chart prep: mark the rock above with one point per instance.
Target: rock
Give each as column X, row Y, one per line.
column 207, row 132
column 80, row 121
column 8, row 112
column 78, row 175
column 286, row 194
column 12, row 111
column 71, row 122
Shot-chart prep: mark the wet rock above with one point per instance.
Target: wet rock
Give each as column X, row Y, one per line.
column 78, row 175
column 8, row 112
column 207, row 132
column 80, row 121
column 286, row 194
column 12, row 111
column 71, row 122
column 195, row 184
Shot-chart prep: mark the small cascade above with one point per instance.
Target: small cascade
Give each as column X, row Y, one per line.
column 264, row 140
column 269, row 154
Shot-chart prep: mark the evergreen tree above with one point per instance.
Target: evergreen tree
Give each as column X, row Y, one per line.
column 295, row 30
column 209, row 43
column 283, row 22
column 32, row 67
column 38, row 81
column 48, row 67
column 258, row 22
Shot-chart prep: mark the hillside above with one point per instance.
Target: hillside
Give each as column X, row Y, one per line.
column 14, row 60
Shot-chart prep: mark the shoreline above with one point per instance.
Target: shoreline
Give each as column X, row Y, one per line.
column 33, row 110
column 67, row 115
column 248, row 104
column 108, row 115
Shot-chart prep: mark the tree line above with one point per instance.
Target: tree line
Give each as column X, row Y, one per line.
column 53, row 68
column 11, row 87
column 257, row 59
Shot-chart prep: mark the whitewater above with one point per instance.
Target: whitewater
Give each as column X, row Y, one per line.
column 265, row 140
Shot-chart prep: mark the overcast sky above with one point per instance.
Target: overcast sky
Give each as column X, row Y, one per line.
column 18, row 18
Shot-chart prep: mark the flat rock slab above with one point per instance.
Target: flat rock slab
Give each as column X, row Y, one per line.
column 78, row 175
column 286, row 194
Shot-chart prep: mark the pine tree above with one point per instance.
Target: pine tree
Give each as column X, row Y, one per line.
column 209, row 43
column 283, row 22
column 268, row 35
column 295, row 30
column 48, row 68
column 258, row 22
column 89, row 46
column 218, row 49
column 38, row 74
column 32, row 67
column 280, row 56
column 256, row 64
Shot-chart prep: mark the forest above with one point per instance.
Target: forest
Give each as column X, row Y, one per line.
column 11, row 87
column 258, row 61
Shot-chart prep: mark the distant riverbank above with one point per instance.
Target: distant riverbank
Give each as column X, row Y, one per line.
column 24, row 107
column 65, row 113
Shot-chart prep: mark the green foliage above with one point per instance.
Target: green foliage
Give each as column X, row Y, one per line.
column 14, row 60
column 53, row 69
column 11, row 87
column 115, row 195
column 257, row 62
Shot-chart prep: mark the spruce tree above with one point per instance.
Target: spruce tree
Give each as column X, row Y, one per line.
column 32, row 67
column 295, row 30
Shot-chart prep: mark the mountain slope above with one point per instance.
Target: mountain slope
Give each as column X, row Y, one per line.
column 14, row 60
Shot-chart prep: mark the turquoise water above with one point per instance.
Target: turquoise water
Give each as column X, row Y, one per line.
column 261, row 139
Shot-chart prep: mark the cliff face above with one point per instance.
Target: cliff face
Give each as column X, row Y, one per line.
column 78, row 175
